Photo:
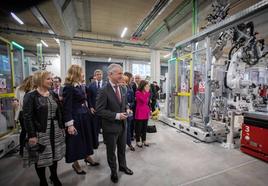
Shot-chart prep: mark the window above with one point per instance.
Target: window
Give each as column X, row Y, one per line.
column 141, row 69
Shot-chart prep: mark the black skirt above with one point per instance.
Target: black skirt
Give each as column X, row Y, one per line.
column 81, row 145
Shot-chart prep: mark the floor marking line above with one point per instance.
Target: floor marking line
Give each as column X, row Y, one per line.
column 217, row 173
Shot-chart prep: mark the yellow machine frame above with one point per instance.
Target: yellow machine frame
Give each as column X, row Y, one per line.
column 9, row 95
column 184, row 94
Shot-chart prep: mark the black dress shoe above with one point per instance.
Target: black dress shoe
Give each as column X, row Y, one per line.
column 131, row 148
column 114, row 177
column 126, row 170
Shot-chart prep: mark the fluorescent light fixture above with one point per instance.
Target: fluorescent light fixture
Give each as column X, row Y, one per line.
column 50, row 31
column 57, row 40
column 44, row 43
column 168, row 55
column 124, row 32
column 109, row 60
column 17, row 18
column 17, row 45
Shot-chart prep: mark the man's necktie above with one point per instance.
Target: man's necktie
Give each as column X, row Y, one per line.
column 117, row 93
column 98, row 84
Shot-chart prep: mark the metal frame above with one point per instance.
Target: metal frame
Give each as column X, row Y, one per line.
column 211, row 135
column 184, row 94
column 258, row 8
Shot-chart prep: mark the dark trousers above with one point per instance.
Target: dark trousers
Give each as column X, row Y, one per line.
column 41, row 172
column 153, row 104
column 22, row 133
column 132, row 128
column 140, row 130
column 113, row 140
column 129, row 121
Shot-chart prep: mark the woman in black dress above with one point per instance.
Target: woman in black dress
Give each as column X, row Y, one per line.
column 44, row 127
column 79, row 138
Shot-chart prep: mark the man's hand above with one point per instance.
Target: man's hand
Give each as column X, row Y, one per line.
column 129, row 111
column 123, row 116
column 92, row 110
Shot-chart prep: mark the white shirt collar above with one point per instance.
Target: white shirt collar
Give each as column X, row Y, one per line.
column 112, row 83
column 76, row 84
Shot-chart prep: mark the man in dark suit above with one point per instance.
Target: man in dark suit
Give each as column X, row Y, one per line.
column 112, row 107
column 92, row 91
column 57, row 88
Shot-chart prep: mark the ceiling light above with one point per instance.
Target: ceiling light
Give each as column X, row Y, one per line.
column 124, row 32
column 44, row 43
column 109, row 60
column 57, row 40
column 50, row 31
column 168, row 55
column 57, row 55
column 17, row 45
column 17, row 19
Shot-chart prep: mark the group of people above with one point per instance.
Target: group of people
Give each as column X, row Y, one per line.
column 65, row 121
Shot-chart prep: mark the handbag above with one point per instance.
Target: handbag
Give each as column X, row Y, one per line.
column 151, row 129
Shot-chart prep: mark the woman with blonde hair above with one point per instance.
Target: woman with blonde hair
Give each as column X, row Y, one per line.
column 44, row 126
column 77, row 118
column 25, row 87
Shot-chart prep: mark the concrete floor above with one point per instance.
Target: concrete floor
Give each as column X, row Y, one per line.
column 173, row 159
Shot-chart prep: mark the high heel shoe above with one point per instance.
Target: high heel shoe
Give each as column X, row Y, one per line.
column 55, row 181
column 82, row 172
column 139, row 144
column 93, row 164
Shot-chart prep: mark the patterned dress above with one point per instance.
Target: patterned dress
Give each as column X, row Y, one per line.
column 53, row 139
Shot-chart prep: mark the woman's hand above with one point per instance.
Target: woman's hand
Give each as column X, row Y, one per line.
column 72, row 130
column 33, row 141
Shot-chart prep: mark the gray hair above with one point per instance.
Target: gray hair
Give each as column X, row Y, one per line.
column 113, row 66
column 97, row 70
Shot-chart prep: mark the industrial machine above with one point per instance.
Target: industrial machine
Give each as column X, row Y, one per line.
column 218, row 75
column 11, row 75
column 254, row 135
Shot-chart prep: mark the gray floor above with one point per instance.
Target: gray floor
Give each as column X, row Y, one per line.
column 173, row 158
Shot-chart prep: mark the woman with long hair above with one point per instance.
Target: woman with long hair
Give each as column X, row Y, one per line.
column 25, row 87
column 142, row 112
column 42, row 112
column 79, row 138
column 131, row 103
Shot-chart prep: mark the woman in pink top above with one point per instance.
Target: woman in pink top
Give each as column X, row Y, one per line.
column 142, row 112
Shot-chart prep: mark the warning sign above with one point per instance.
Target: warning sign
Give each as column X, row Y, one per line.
column 201, row 87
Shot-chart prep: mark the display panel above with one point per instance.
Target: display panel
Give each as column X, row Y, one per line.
column 5, row 69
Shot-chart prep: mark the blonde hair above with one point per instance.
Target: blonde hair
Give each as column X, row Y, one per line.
column 27, row 84
column 39, row 78
column 73, row 74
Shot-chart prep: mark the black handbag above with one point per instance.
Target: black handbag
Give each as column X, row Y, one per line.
column 151, row 129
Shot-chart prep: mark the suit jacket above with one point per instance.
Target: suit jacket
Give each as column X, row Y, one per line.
column 107, row 106
column 92, row 91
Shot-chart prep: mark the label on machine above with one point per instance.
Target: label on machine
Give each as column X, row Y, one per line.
column 201, row 87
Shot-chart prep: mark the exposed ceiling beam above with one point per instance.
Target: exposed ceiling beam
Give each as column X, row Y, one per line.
column 76, row 38
column 61, row 18
column 174, row 20
column 87, row 14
